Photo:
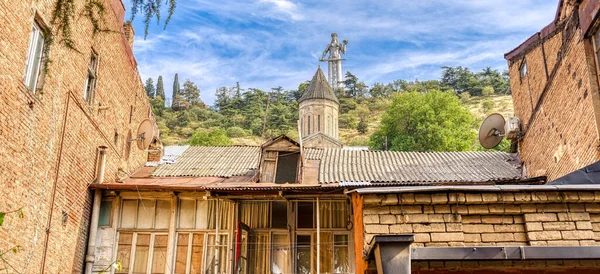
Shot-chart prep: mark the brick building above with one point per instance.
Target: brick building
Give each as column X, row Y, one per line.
column 554, row 83
column 55, row 122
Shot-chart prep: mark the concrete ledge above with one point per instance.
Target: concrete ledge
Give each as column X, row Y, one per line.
column 505, row 253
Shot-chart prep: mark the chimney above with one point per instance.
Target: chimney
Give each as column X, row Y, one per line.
column 129, row 33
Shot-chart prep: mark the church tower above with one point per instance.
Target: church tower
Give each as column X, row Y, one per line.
column 319, row 109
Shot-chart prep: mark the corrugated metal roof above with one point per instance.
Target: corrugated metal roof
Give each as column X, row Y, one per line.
column 213, row 162
column 344, row 166
column 409, row 167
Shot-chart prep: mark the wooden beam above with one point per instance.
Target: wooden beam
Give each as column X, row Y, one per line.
column 359, row 238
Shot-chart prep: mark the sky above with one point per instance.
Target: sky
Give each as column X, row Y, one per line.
column 269, row 43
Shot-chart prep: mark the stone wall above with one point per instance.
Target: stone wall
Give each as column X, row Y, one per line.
column 557, row 100
column 486, row 219
column 327, row 109
column 49, row 138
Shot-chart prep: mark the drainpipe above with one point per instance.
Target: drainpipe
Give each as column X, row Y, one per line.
column 91, row 250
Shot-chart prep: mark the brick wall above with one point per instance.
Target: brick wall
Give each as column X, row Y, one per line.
column 555, row 99
column 486, row 219
column 49, row 139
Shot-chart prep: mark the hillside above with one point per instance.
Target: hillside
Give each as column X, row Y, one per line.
column 500, row 104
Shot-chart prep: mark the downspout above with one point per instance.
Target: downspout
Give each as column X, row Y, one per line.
column 91, row 250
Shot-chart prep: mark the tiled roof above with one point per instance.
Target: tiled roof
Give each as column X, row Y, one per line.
column 354, row 166
column 319, row 89
column 213, row 162
column 413, row 167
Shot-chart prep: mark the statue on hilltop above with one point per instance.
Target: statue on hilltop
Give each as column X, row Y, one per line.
column 334, row 68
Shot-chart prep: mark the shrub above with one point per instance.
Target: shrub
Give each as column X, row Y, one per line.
column 236, row 132
column 487, row 105
column 487, row 91
column 214, row 137
column 465, row 97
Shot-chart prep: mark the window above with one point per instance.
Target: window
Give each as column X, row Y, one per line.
column 196, row 236
column 263, row 214
column 523, row 68
column 318, row 123
column 596, row 46
column 308, row 124
column 143, row 231
column 34, row 62
column 90, row 81
column 105, row 213
column 287, row 167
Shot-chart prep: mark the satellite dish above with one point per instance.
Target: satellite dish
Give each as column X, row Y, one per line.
column 492, row 131
column 145, row 134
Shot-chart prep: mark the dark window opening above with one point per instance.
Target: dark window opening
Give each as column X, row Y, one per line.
column 287, row 166
column 279, row 215
column 305, row 214
column 308, row 125
column 318, row 122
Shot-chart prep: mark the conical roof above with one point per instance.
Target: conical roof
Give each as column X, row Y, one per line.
column 319, row 89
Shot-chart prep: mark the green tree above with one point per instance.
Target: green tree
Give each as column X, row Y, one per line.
column 176, row 90
column 191, row 93
column 160, row 88
column 432, row 121
column 150, row 88
column 214, row 137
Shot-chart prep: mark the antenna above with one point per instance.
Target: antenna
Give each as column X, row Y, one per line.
column 145, row 134
column 492, row 131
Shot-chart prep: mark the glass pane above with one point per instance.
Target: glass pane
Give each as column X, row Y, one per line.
column 186, row 213
column 159, row 254
column 142, row 247
column 258, row 253
column 305, row 215
column 223, row 254
column 303, row 265
column 105, row 212
column 163, row 214
column 146, row 211
column 129, row 213
column 281, row 253
column 340, row 254
column 36, row 60
column 325, row 214
column 197, row 252
column 124, row 251
column 340, row 213
column 326, row 248
column 279, row 215
column 209, row 263
column 181, row 253
column 202, row 215
column 255, row 214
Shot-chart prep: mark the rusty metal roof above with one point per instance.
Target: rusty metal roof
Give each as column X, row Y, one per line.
column 343, row 166
column 213, row 162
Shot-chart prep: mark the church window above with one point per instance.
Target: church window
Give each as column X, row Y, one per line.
column 90, row 82
column 308, row 123
column 318, row 122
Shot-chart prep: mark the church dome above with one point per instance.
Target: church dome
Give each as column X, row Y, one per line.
column 319, row 89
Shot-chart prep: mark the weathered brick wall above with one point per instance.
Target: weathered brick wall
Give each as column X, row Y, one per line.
column 561, row 134
column 485, row 219
column 49, row 139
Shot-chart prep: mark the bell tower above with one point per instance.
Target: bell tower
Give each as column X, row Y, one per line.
column 319, row 110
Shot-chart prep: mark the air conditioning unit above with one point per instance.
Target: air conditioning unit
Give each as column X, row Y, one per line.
column 512, row 128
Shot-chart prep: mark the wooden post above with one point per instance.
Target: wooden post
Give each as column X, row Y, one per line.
column 318, row 237
column 170, row 265
column 359, row 237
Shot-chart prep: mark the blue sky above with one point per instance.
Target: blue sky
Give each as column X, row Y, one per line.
column 269, row 43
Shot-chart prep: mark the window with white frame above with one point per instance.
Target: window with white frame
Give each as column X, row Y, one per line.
column 143, row 235
column 33, row 65
column 523, row 69
column 90, row 82
column 197, row 248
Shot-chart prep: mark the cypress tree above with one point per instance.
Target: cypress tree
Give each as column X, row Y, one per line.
column 160, row 89
column 176, row 90
column 149, row 88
